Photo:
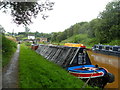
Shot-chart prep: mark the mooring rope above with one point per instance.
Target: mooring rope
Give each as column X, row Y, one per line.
column 88, row 79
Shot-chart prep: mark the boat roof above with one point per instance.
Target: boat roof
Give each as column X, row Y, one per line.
column 108, row 46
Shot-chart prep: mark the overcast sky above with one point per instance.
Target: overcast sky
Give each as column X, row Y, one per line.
column 64, row 14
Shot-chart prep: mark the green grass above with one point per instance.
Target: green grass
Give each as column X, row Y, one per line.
column 113, row 42
column 37, row 72
column 81, row 38
column 8, row 49
column 76, row 38
column 28, row 43
column 7, row 57
column 87, row 41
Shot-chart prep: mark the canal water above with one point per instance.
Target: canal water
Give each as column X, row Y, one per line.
column 108, row 62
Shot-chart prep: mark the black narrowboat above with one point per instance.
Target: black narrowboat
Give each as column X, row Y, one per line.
column 77, row 62
column 107, row 49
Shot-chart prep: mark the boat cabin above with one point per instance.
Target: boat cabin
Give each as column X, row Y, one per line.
column 107, row 49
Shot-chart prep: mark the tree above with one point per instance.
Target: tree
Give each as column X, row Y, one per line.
column 83, row 27
column 110, row 22
column 23, row 12
column 27, row 30
column 93, row 30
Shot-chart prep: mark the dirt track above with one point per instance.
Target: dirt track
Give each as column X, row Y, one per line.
column 10, row 72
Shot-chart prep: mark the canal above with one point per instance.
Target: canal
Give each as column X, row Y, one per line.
column 108, row 62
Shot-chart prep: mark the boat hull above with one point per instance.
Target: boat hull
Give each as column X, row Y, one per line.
column 97, row 77
column 87, row 73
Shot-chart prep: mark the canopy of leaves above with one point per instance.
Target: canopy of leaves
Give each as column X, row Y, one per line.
column 109, row 26
column 23, row 12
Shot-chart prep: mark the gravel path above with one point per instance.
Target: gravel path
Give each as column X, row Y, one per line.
column 10, row 73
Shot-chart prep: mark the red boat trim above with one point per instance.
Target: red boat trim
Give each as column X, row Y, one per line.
column 88, row 75
column 78, row 69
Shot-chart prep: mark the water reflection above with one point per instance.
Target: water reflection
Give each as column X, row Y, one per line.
column 106, row 60
column 109, row 62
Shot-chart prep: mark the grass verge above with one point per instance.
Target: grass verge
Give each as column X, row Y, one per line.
column 37, row 72
column 8, row 49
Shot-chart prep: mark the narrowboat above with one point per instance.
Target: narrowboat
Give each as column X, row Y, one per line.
column 107, row 49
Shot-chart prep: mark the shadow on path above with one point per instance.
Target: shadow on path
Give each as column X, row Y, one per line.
column 10, row 73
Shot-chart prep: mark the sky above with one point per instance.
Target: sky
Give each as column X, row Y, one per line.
column 65, row 13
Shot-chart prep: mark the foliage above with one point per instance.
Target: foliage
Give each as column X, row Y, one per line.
column 104, row 29
column 27, row 31
column 22, row 12
column 76, row 38
column 8, row 48
column 27, row 43
column 90, row 42
column 78, row 28
column 37, row 72
column 113, row 42
column 23, row 35
column 109, row 28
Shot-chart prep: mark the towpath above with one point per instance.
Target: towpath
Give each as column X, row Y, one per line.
column 10, row 73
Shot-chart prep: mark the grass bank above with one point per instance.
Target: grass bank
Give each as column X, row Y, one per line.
column 88, row 42
column 83, row 39
column 8, row 49
column 37, row 72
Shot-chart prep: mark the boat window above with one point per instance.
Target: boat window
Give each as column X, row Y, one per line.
column 97, row 47
column 94, row 46
column 103, row 47
column 100, row 47
column 111, row 48
column 119, row 49
column 81, row 58
column 107, row 48
column 115, row 48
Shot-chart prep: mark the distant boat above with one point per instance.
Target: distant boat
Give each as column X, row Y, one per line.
column 107, row 49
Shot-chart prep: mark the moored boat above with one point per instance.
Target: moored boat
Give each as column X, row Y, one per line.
column 92, row 74
column 107, row 49
column 87, row 71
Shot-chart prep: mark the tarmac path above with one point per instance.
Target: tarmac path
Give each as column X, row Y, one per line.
column 10, row 73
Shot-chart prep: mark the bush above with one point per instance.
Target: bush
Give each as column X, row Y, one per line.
column 115, row 42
